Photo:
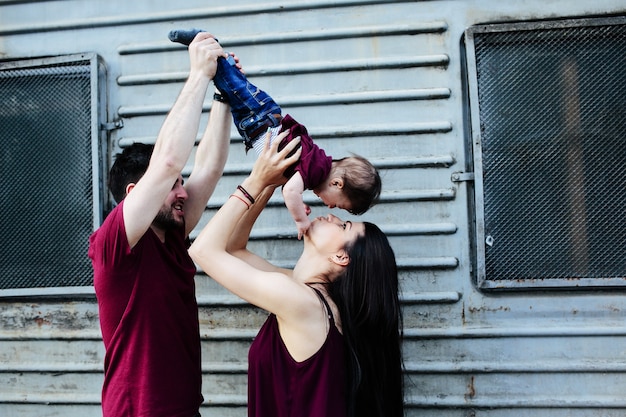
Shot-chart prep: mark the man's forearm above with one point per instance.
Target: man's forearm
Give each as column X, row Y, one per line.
column 209, row 163
column 213, row 148
column 178, row 133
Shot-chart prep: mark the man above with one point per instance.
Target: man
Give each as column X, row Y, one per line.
column 143, row 276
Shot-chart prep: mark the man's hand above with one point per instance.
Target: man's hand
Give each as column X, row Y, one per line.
column 204, row 51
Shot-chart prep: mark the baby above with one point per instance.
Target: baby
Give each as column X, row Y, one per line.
column 351, row 183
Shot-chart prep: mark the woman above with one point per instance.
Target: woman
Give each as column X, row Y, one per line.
column 331, row 345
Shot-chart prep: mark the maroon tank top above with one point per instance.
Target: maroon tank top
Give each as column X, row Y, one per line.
column 278, row 386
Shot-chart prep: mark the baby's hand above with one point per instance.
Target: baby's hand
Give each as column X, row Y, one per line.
column 303, row 226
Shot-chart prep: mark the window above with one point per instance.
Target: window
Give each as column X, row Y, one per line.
column 548, row 141
column 51, row 168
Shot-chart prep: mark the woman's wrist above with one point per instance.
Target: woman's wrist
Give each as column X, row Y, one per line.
column 246, row 194
column 247, row 198
column 250, row 188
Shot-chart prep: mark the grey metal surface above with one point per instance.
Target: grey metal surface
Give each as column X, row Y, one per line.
column 384, row 79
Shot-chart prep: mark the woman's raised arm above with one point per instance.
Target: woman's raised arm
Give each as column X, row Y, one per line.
column 237, row 245
column 224, row 236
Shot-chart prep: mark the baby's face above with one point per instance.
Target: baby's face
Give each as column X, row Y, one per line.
column 334, row 197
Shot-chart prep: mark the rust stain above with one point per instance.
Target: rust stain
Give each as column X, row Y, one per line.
column 471, row 390
column 487, row 309
column 463, row 313
column 41, row 321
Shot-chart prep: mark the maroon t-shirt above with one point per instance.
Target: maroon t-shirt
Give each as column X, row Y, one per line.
column 149, row 322
column 278, row 386
column 313, row 165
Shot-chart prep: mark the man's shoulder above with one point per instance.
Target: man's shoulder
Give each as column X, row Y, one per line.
column 112, row 224
column 116, row 215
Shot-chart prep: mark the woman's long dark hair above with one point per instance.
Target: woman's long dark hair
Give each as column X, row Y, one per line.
column 371, row 318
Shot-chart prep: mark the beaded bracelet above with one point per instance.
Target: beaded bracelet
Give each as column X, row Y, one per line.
column 245, row 193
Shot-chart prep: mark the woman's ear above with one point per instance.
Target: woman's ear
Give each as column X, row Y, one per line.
column 341, row 258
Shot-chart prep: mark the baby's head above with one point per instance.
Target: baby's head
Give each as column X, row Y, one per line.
column 361, row 182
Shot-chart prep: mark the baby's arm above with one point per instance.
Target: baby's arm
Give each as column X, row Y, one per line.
column 292, row 193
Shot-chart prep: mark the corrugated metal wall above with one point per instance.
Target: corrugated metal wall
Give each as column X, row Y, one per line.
column 379, row 78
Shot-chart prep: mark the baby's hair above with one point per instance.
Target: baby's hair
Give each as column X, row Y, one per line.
column 361, row 182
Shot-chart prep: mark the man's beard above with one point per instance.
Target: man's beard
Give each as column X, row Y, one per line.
column 165, row 220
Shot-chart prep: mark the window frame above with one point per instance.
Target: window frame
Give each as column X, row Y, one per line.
column 99, row 150
column 478, row 238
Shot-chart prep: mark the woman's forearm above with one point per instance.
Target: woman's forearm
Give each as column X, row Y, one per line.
column 237, row 245
column 214, row 240
column 239, row 238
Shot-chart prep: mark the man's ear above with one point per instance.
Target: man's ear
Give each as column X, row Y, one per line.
column 337, row 182
column 130, row 187
column 341, row 258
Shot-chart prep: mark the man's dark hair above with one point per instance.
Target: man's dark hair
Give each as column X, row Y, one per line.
column 129, row 167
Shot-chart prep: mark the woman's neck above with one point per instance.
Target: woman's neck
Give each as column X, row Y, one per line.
column 309, row 272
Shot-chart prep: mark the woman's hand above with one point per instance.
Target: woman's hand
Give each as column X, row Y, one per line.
column 271, row 164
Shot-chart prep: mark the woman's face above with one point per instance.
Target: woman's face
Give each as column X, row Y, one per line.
column 330, row 233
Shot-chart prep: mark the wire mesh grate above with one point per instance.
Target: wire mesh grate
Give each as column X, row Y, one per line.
column 46, row 173
column 552, row 104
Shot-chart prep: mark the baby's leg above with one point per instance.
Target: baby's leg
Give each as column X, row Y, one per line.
column 184, row 36
column 253, row 109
